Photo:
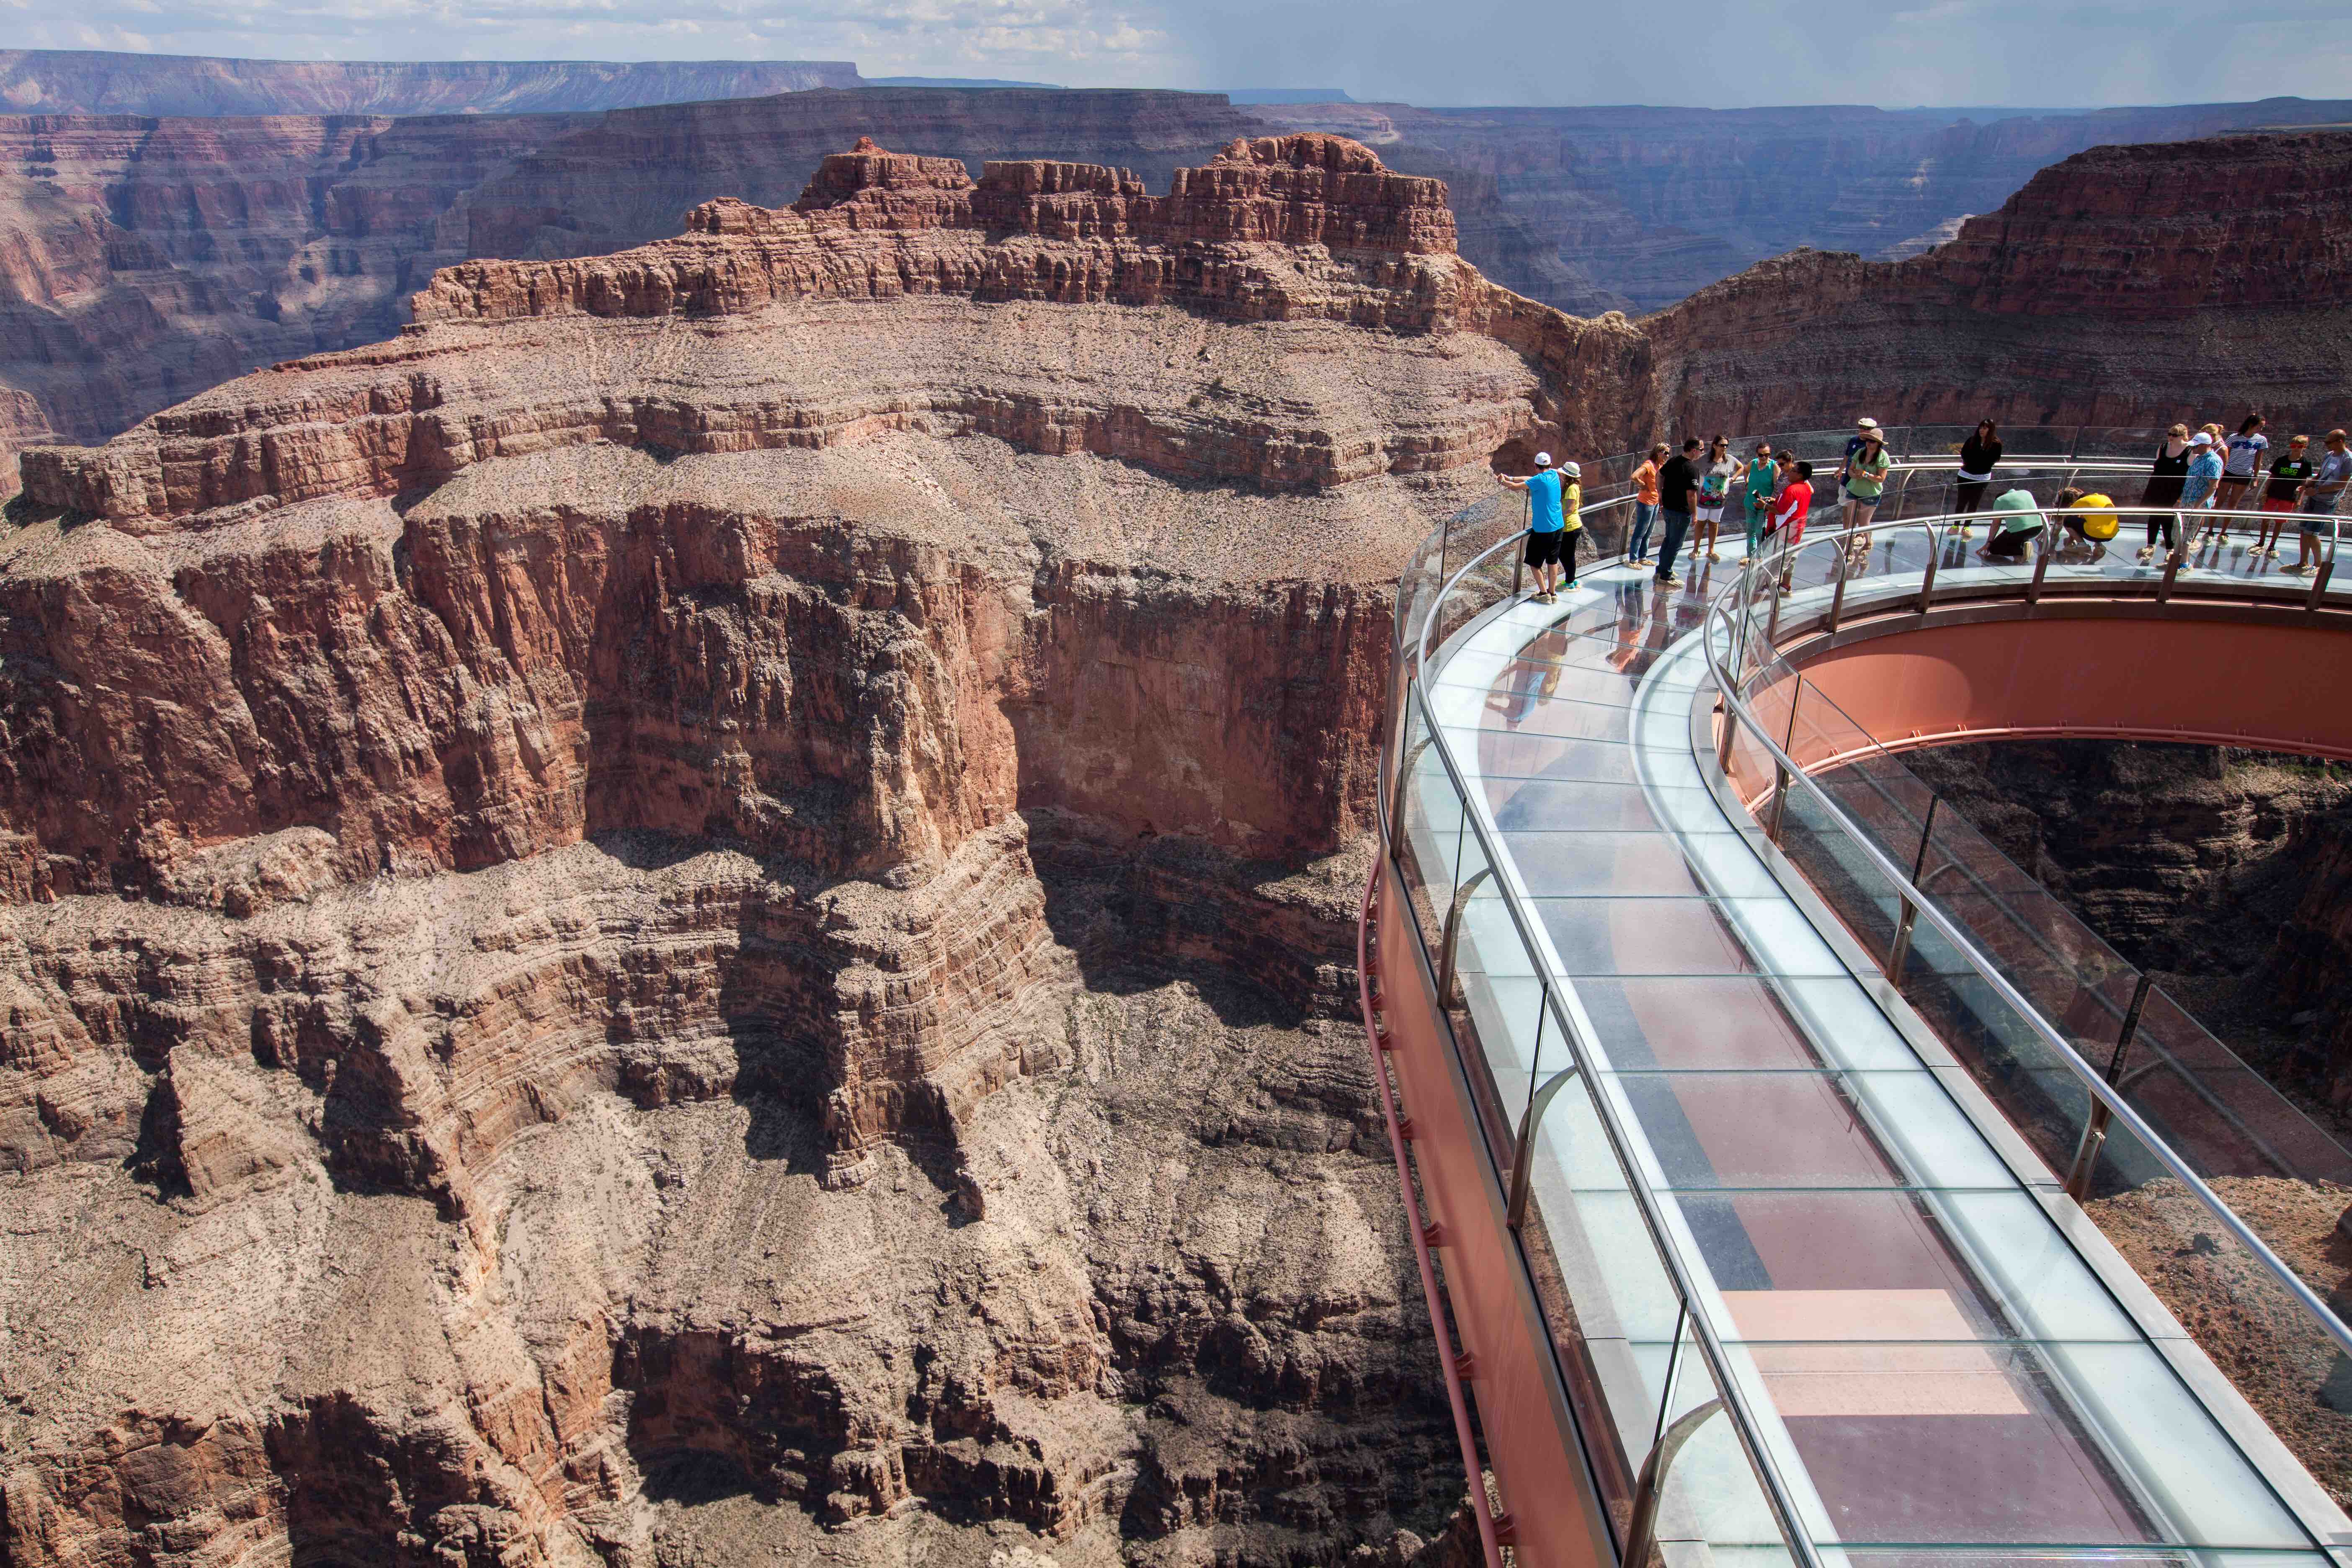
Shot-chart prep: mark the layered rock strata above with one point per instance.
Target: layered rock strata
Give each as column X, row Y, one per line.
column 2126, row 286
column 694, row 913
column 144, row 260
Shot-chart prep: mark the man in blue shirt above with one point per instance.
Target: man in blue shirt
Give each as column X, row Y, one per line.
column 2197, row 488
column 1546, row 524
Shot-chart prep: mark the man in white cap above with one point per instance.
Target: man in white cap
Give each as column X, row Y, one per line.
column 1863, row 429
column 1547, row 526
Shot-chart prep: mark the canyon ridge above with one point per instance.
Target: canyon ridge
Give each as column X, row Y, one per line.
column 703, row 906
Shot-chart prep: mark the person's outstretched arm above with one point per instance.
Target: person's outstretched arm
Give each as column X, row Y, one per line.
column 1513, row 480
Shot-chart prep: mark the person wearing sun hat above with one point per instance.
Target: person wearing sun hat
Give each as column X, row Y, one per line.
column 1865, row 428
column 1546, row 524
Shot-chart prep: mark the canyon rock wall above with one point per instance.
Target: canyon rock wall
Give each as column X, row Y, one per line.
column 2126, row 285
column 94, row 81
column 1642, row 207
column 142, row 260
column 702, row 910
column 2229, row 873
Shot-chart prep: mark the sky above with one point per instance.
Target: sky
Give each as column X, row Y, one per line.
column 2043, row 53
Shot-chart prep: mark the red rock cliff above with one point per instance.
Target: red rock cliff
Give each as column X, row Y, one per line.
column 702, row 900
column 2126, row 285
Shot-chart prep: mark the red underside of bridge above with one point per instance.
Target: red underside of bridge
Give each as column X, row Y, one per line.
column 2278, row 687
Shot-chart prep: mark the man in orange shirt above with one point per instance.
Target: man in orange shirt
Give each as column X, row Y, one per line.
column 1645, row 505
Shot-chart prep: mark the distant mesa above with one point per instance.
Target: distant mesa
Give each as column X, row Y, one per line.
column 962, row 81
column 1286, row 95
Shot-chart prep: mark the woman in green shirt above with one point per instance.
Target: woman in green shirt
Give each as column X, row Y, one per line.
column 1866, row 481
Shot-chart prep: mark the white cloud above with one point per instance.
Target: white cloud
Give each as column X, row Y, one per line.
column 1705, row 52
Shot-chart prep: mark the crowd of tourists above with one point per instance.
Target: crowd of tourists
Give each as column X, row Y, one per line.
column 1680, row 496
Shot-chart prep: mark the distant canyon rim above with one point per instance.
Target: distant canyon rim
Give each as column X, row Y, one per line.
column 171, row 222
column 700, row 908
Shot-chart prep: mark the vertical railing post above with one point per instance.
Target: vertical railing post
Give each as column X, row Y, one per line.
column 1844, row 570
column 1935, row 557
column 1447, row 977
column 1779, row 768
column 2095, row 1127
column 1640, row 1531
column 2041, row 564
column 2319, row 585
column 1515, row 1211
column 1898, row 952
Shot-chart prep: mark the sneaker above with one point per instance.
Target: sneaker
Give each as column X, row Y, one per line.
column 2297, row 570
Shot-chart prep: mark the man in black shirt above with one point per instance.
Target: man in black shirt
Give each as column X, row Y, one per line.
column 1678, row 497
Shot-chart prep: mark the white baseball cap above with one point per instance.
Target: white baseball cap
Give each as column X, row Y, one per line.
column 2201, row 439
column 1571, row 471
column 1543, row 459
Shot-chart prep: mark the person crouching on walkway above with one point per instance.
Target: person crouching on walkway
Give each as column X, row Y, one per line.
column 2087, row 521
column 2020, row 519
column 1545, row 523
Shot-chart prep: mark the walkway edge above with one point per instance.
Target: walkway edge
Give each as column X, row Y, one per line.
column 1474, row 1473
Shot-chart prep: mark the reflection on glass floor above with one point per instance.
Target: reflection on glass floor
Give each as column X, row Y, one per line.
column 1947, row 1371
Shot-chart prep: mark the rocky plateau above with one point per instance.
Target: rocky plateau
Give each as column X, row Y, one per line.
column 702, row 910
column 167, row 223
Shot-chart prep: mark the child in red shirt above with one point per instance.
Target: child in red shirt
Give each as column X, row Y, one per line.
column 1789, row 513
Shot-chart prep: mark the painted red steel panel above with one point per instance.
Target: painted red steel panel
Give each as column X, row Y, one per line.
column 2273, row 687
column 1536, row 1462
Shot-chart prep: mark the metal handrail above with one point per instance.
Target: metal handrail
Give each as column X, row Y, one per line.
column 1409, row 691
column 1736, row 710
column 1778, row 1494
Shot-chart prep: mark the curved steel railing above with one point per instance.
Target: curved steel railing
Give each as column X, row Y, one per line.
column 1423, row 625
column 1917, row 906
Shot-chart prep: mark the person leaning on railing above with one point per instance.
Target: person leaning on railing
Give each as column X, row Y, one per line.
column 1548, row 510
column 2322, row 494
column 2287, row 476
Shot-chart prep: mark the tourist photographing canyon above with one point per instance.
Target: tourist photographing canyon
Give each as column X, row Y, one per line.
column 952, row 794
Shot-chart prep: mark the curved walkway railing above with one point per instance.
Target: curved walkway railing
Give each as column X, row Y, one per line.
column 1458, row 874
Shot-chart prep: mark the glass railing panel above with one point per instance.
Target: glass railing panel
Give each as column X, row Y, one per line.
column 2227, row 1105
column 2257, row 1335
